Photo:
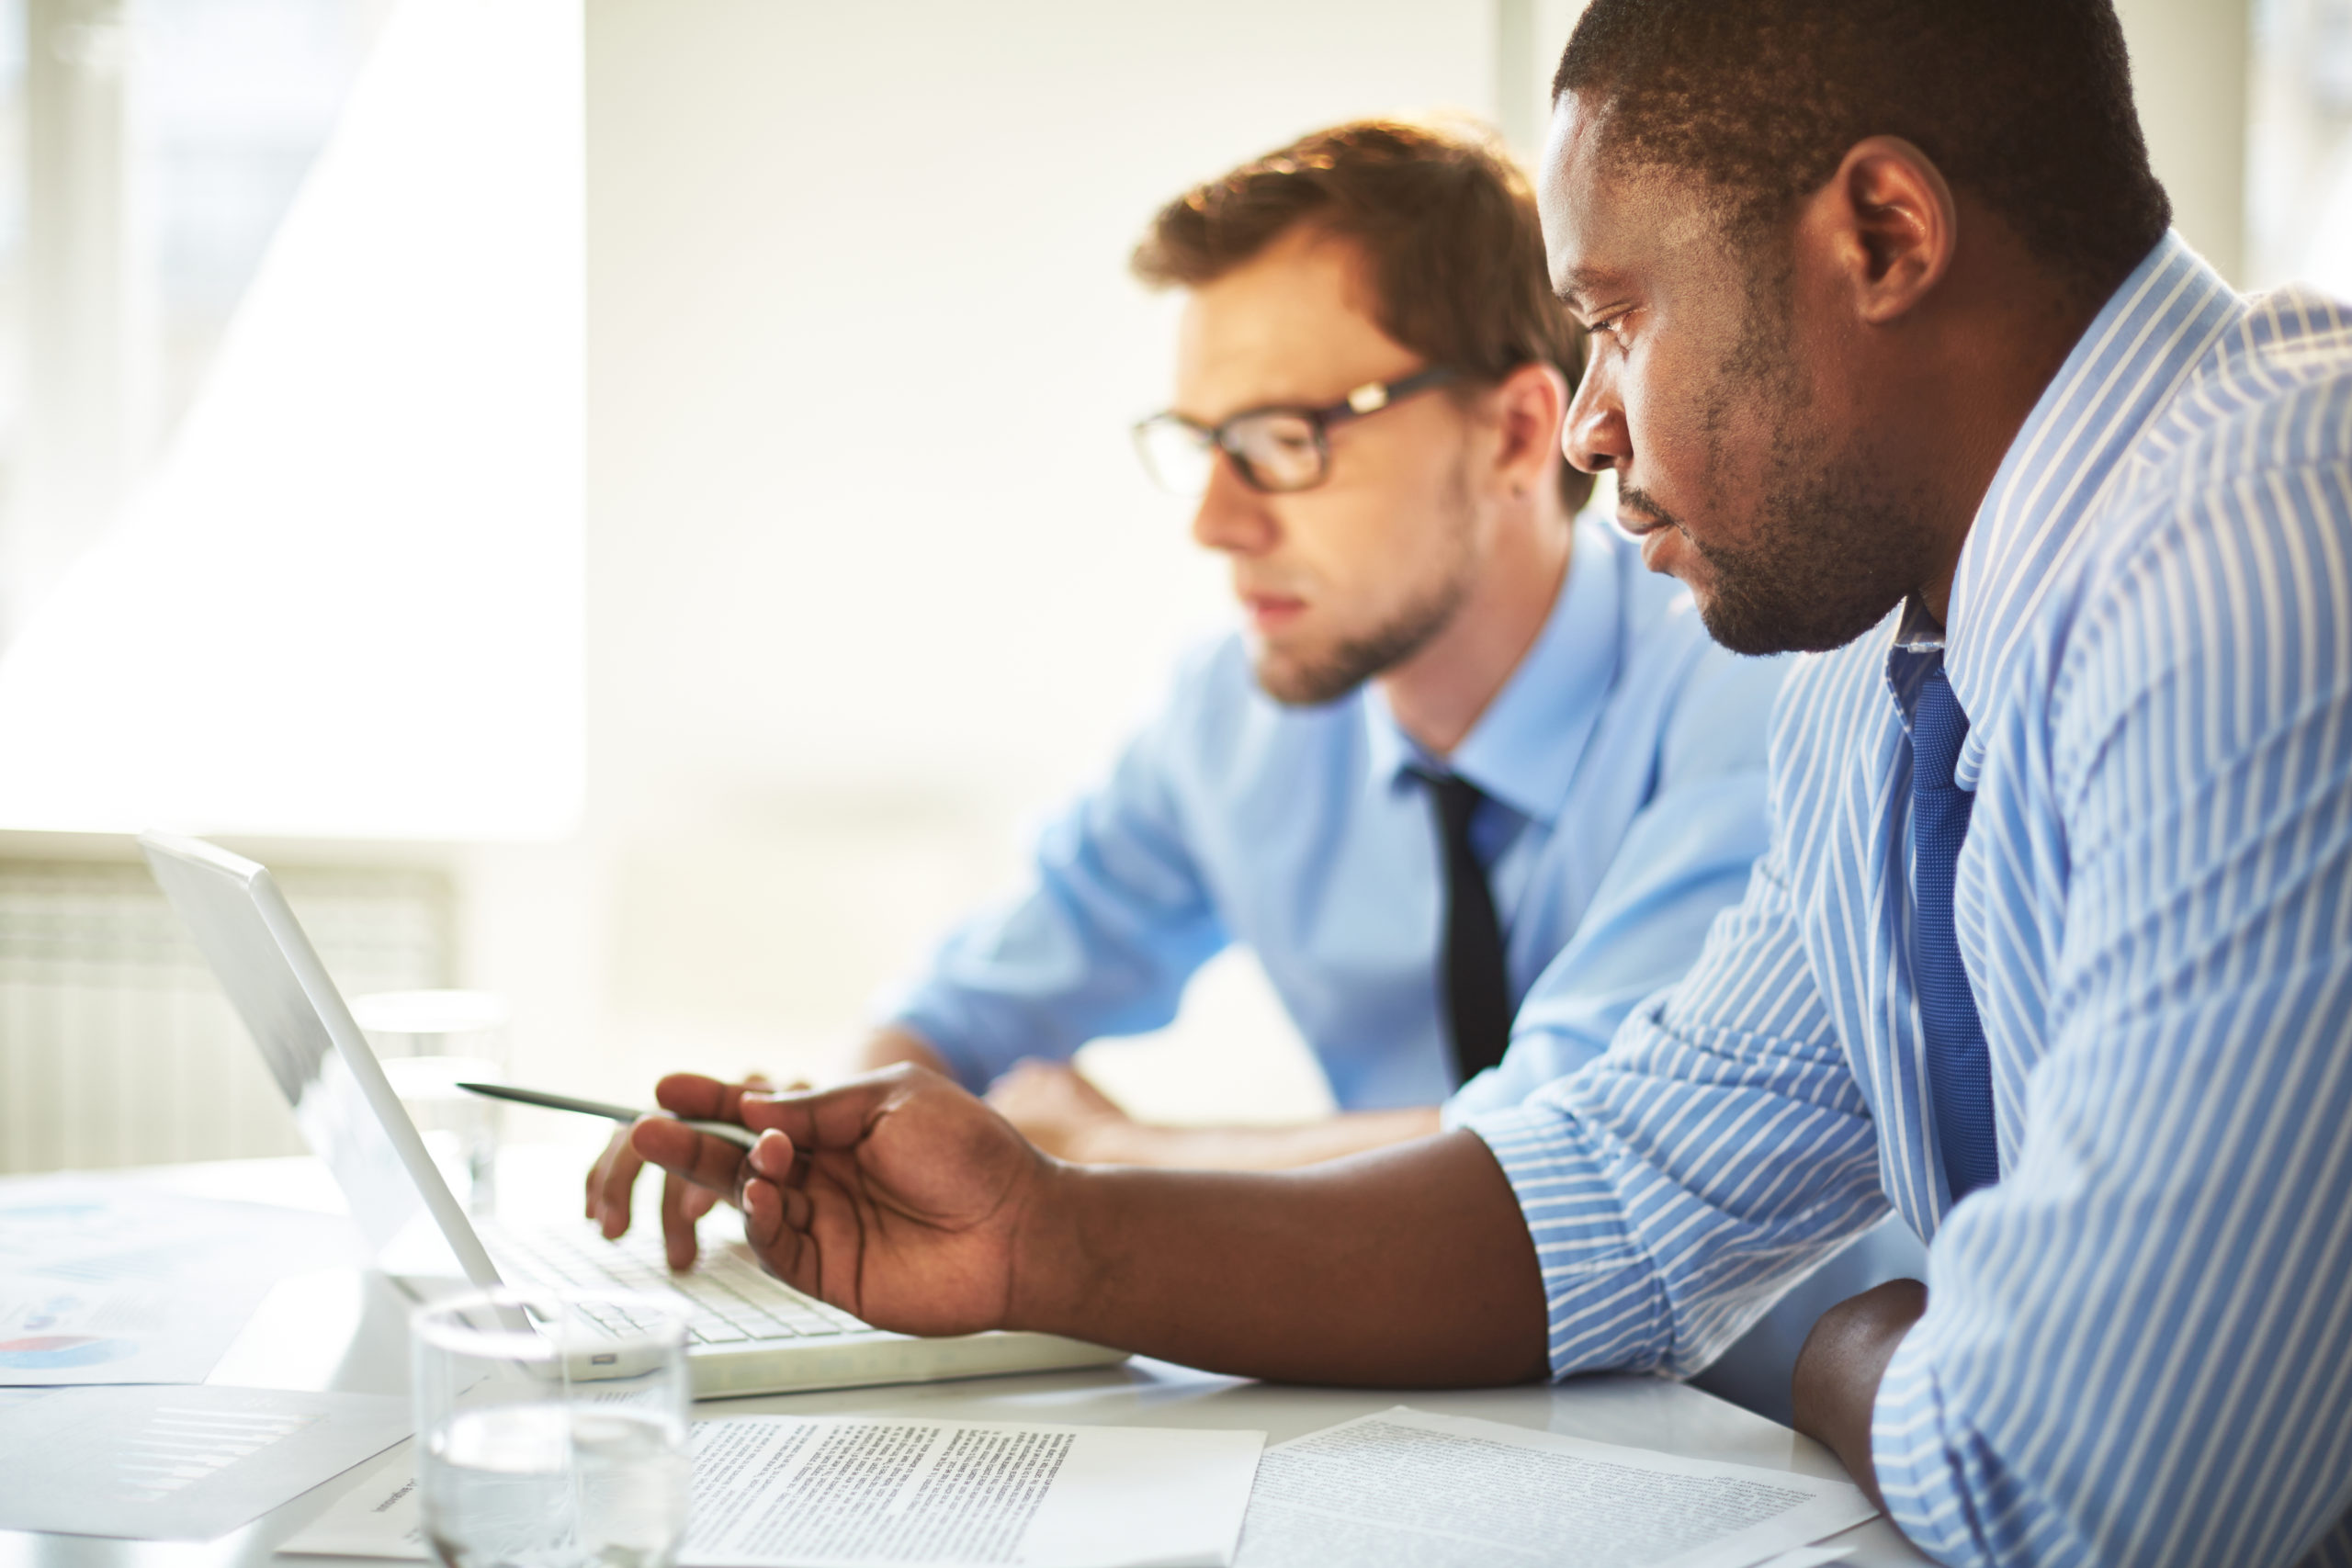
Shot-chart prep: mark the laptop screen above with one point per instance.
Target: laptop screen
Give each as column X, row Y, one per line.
column 344, row 1107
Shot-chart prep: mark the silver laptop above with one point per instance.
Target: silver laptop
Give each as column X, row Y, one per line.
column 749, row 1334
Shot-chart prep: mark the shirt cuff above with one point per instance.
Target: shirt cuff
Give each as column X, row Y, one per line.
column 1919, row 1460
column 1603, row 1306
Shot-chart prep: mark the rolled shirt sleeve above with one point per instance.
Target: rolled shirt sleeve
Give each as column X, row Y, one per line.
column 1718, row 1151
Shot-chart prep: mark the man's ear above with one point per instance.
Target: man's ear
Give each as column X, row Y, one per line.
column 1528, row 404
column 1891, row 226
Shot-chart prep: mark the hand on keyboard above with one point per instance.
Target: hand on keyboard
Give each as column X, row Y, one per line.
column 897, row 1197
column 612, row 1178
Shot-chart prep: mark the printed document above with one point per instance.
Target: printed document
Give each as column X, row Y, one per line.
column 1421, row 1491
column 833, row 1491
column 56, row 1331
column 176, row 1463
column 102, row 1282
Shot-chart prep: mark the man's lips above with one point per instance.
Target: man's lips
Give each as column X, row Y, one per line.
column 1659, row 537
column 1270, row 610
column 1657, row 544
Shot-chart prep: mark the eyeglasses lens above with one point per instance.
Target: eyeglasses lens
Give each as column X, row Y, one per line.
column 1176, row 455
column 1279, row 451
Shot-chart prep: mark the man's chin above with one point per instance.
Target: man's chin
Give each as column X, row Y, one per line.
column 1300, row 682
column 1746, row 625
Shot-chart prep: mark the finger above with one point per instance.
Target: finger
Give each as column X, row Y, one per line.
column 776, row 1223
column 619, row 1166
column 772, row 1158
column 764, row 1225
column 826, row 1119
column 1026, row 1070
column 596, row 1206
column 677, row 1224
column 1092, row 1093
column 700, row 1200
column 693, row 1098
column 702, row 1159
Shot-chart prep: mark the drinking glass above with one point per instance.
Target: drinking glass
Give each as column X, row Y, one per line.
column 551, row 1429
column 429, row 1043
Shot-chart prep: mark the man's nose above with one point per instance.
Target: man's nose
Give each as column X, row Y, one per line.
column 1232, row 517
column 1594, row 435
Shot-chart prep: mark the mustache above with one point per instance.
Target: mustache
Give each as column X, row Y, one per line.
column 1638, row 502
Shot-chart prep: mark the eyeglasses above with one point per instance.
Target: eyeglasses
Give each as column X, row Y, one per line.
column 1273, row 449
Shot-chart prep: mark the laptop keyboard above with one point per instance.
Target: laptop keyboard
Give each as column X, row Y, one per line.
column 731, row 1299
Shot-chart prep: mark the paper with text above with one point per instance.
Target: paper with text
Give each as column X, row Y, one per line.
column 168, row 1463
column 1421, row 1491
column 832, row 1492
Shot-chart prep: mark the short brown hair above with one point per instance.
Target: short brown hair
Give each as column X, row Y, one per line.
column 1445, row 218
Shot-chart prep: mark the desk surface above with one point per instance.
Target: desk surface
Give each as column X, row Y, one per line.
column 344, row 1328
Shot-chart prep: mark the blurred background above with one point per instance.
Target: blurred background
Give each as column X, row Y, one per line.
column 628, row 507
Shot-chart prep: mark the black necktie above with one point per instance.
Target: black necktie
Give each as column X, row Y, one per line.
column 1478, row 990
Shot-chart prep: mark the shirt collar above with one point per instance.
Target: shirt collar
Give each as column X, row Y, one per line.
column 1525, row 747
column 2136, row 353
column 1919, row 631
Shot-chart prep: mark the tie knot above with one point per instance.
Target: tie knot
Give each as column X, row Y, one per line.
column 1938, row 727
column 1457, row 798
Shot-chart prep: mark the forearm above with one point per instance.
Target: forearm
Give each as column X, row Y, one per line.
column 1409, row 1267
column 1253, row 1148
column 891, row 1044
column 1839, row 1372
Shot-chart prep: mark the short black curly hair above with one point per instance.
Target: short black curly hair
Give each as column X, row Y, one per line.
column 2024, row 104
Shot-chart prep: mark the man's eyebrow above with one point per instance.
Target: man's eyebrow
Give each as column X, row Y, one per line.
column 1579, row 283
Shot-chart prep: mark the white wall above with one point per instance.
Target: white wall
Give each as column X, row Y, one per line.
column 873, row 575
column 873, row 578
column 2190, row 70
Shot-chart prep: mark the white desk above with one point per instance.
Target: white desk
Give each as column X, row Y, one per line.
column 343, row 1328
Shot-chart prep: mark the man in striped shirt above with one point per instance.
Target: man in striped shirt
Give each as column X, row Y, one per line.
column 1896, row 361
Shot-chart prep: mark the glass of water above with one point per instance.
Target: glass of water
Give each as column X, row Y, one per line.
column 429, row 1043
column 551, row 1429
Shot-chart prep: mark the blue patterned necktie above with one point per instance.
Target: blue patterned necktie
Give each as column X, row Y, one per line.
column 1960, row 1074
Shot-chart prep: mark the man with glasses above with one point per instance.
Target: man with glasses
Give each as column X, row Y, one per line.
column 1468, row 763
column 1898, row 359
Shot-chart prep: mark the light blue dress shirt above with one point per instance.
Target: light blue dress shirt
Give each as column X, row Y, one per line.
column 1624, row 762
column 2137, row 1345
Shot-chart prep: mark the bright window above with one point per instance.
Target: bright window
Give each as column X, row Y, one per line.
column 347, row 600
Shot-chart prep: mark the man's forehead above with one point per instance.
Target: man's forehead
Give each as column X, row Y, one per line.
column 1605, row 218
column 1573, row 200
column 1295, row 323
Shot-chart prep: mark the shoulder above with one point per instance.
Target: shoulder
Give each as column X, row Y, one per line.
column 2221, row 575
column 2251, row 456
column 2273, row 395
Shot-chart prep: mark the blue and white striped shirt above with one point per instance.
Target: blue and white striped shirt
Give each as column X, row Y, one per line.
column 2139, row 1345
